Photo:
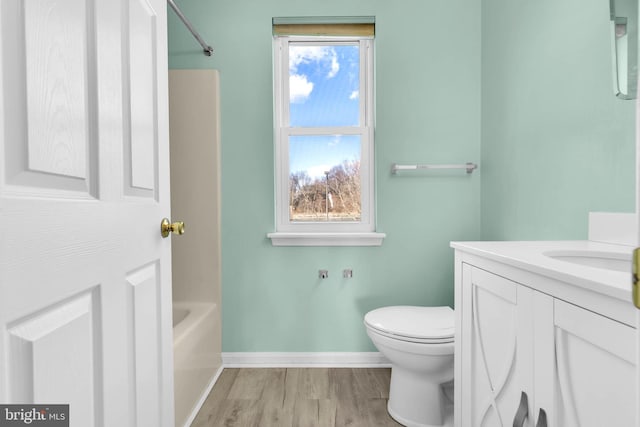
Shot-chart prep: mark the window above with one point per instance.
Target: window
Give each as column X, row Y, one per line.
column 324, row 134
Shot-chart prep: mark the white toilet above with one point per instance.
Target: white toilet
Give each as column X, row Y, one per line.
column 419, row 343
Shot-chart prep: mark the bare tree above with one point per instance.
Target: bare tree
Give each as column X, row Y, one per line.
column 308, row 197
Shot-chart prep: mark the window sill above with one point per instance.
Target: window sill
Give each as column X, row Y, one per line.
column 326, row 239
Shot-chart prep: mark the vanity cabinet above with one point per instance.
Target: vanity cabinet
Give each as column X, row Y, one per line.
column 533, row 351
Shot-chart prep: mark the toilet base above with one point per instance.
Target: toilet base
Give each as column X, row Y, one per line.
column 414, row 401
column 448, row 419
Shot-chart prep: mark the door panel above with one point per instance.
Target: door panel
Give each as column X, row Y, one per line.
column 53, row 357
column 141, row 141
column 145, row 300
column 59, row 82
column 51, row 104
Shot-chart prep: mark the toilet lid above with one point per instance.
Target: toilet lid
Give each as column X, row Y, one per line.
column 435, row 324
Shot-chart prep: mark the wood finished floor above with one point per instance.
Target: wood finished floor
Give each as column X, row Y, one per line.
column 298, row 397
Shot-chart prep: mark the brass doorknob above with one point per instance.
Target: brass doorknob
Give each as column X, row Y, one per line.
column 167, row 227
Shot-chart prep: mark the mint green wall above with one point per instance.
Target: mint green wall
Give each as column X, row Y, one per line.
column 428, row 110
column 556, row 143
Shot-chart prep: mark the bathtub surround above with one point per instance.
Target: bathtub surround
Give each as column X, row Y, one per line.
column 195, row 199
column 551, row 141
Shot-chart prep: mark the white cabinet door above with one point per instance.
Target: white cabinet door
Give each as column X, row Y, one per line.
column 85, row 316
column 496, row 349
column 593, row 379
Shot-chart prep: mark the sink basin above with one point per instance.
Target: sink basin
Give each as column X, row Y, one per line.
column 606, row 260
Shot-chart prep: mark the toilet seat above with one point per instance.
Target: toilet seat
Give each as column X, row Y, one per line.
column 424, row 325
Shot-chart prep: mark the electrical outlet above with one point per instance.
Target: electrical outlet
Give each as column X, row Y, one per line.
column 323, row 274
column 347, row 273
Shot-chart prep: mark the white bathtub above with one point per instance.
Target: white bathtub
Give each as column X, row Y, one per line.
column 194, row 358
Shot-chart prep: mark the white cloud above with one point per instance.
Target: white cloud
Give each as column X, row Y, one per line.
column 354, row 95
column 299, row 85
column 306, row 54
column 317, row 172
column 300, row 54
column 335, row 65
column 299, row 88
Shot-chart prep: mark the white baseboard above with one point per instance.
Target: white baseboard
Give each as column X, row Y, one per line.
column 304, row 360
column 204, row 396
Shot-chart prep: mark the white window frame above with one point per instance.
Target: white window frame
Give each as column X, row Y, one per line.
column 360, row 233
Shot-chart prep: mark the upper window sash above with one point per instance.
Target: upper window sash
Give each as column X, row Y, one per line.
column 365, row 77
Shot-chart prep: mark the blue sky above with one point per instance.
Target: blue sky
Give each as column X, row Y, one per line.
column 323, row 91
column 317, row 154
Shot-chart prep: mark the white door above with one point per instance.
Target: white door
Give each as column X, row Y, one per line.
column 85, row 303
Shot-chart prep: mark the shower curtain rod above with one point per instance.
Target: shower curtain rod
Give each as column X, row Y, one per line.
column 208, row 50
